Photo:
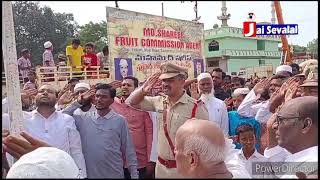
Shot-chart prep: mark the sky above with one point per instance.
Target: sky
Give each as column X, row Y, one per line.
column 303, row 13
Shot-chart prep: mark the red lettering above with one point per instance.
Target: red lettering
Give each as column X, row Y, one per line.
column 148, row 32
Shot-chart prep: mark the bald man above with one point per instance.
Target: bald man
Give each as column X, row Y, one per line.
column 54, row 127
column 201, row 152
column 296, row 131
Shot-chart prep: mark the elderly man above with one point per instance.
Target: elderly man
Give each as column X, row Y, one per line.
column 284, row 70
column 173, row 109
column 141, row 131
column 45, row 162
column 217, row 109
column 54, row 127
column 202, row 151
column 300, row 144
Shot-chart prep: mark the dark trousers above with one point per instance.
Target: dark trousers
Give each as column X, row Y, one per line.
column 142, row 173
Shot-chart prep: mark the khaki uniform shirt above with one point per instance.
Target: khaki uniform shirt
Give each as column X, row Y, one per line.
column 177, row 114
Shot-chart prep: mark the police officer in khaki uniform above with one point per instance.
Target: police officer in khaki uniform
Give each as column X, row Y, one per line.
column 173, row 109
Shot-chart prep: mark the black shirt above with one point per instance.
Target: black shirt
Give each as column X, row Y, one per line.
column 221, row 94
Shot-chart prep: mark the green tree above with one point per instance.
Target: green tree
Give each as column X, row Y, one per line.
column 35, row 25
column 299, row 49
column 313, row 48
column 96, row 33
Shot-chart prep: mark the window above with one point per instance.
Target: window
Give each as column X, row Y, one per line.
column 262, row 62
column 214, row 46
column 213, row 63
column 261, row 45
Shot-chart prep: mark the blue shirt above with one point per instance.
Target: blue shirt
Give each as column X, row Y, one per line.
column 104, row 140
column 235, row 121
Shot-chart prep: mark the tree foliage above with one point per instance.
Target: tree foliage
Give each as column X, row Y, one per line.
column 299, row 49
column 313, row 47
column 94, row 32
column 35, row 25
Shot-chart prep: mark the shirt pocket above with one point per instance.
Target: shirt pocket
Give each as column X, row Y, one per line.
column 108, row 136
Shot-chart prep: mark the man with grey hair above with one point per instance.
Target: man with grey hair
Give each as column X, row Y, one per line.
column 218, row 112
column 299, row 146
column 202, row 150
column 45, row 162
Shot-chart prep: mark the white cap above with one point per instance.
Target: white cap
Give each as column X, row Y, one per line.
column 45, row 162
column 285, row 68
column 47, row 44
column 203, row 76
column 81, row 85
column 243, row 91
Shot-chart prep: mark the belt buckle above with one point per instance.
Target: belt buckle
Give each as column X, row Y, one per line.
column 166, row 163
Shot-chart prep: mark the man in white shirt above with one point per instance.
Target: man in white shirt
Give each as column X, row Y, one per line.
column 248, row 153
column 203, row 152
column 54, row 127
column 218, row 112
column 256, row 103
column 296, row 130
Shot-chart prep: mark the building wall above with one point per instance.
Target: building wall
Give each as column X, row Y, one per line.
column 271, row 46
column 274, row 62
column 241, row 44
column 230, row 43
column 234, row 65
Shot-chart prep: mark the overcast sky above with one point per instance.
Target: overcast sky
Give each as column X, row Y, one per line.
column 303, row 13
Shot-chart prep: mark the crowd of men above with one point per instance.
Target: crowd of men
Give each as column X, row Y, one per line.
column 76, row 57
column 213, row 126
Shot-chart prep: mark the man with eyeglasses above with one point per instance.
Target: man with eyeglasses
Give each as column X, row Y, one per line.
column 295, row 130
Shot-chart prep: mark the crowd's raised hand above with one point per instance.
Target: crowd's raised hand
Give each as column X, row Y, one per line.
column 66, row 98
column 261, row 85
column 18, row 146
column 116, row 84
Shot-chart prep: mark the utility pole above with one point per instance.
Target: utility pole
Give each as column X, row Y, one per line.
column 162, row 8
column 11, row 69
column 117, row 5
column 196, row 11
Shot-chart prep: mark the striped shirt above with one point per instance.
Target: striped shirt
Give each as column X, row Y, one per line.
column 24, row 63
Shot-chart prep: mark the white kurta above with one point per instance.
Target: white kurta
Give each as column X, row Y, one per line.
column 218, row 112
column 58, row 130
column 260, row 111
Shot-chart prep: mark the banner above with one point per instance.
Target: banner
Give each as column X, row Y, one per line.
column 139, row 43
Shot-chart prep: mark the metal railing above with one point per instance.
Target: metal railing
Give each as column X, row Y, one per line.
column 64, row 73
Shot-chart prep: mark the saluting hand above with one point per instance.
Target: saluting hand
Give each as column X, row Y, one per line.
column 116, row 84
column 150, row 82
column 86, row 96
column 66, row 98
